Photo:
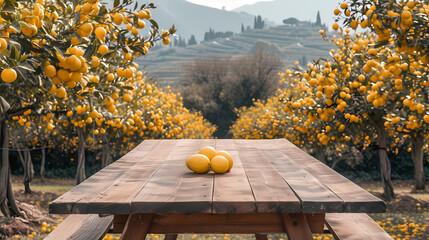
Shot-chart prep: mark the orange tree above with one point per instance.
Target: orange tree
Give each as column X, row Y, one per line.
column 145, row 112
column 401, row 26
column 49, row 50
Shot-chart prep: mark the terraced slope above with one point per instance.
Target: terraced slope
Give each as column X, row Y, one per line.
column 294, row 42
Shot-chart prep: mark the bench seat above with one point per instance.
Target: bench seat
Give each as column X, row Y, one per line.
column 82, row 227
column 354, row 226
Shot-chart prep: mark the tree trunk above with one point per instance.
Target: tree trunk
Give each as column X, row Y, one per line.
column 417, row 142
column 385, row 168
column 42, row 165
column 28, row 170
column 8, row 204
column 106, row 157
column 80, row 173
column 321, row 154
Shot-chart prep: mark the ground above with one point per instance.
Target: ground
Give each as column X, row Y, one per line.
column 406, row 217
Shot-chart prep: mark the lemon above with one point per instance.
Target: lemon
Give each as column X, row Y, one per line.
column 227, row 156
column 208, row 152
column 219, row 164
column 198, row 163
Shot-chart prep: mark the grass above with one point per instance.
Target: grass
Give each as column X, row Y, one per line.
column 45, row 187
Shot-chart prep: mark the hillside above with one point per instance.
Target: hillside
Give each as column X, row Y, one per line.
column 303, row 10
column 294, row 42
column 195, row 19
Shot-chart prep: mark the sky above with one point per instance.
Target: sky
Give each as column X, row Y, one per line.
column 228, row 4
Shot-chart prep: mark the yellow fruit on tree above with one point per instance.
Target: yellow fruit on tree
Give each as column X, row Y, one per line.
column 3, row 43
column 61, row 92
column 126, row 97
column 50, row 71
column 219, row 164
column 198, row 163
column 8, row 75
column 208, row 152
column 100, row 33
column 102, row 49
column 227, row 156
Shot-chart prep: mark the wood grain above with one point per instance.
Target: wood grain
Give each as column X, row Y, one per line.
column 137, row 226
column 81, row 227
column 271, row 192
column 296, row 226
column 174, row 188
column 220, row 223
column 116, row 199
column 77, row 199
column 315, row 197
column 232, row 192
column 355, row 198
column 354, row 226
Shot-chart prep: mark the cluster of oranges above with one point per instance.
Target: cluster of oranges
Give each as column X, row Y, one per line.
column 219, row 161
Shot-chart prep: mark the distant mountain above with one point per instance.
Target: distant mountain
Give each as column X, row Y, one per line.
column 195, row 19
column 290, row 42
column 303, row 10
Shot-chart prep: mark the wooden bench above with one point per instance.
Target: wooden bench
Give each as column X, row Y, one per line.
column 82, row 227
column 354, row 226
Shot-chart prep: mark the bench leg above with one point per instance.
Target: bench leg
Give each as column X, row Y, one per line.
column 137, row 226
column 296, row 226
column 261, row 236
column 170, row 236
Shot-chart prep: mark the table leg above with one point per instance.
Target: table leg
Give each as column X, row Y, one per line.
column 296, row 226
column 170, row 236
column 261, row 236
column 137, row 226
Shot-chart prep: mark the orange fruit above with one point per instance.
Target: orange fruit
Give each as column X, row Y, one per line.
column 8, row 75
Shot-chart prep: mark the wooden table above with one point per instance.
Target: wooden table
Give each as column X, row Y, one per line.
column 274, row 187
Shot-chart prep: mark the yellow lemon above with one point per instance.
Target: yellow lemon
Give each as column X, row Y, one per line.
column 208, row 152
column 227, row 156
column 198, row 163
column 219, row 164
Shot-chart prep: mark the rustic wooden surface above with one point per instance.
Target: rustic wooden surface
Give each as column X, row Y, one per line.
column 81, row 227
column 269, row 176
column 221, row 223
column 352, row 226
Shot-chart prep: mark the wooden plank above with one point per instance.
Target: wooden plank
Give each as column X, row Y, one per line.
column 174, row 188
column 170, row 236
column 220, row 223
column 354, row 197
column 137, row 226
column 232, row 192
column 296, row 226
column 81, row 227
column 116, row 199
column 261, row 236
column 76, row 200
column 314, row 196
column 271, row 192
column 355, row 226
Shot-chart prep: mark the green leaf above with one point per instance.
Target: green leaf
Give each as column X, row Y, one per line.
column 16, row 26
column 154, row 23
column 26, row 66
column 116, row 3
column 76, row 19
column 135, row 6
column 15, row 53
column 98, row 95
column 89, row 51
column 4, row 105
column 4, row 52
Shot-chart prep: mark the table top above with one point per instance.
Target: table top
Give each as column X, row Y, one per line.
column 269, row 176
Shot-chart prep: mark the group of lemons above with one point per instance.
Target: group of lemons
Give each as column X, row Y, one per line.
column 208, row 157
